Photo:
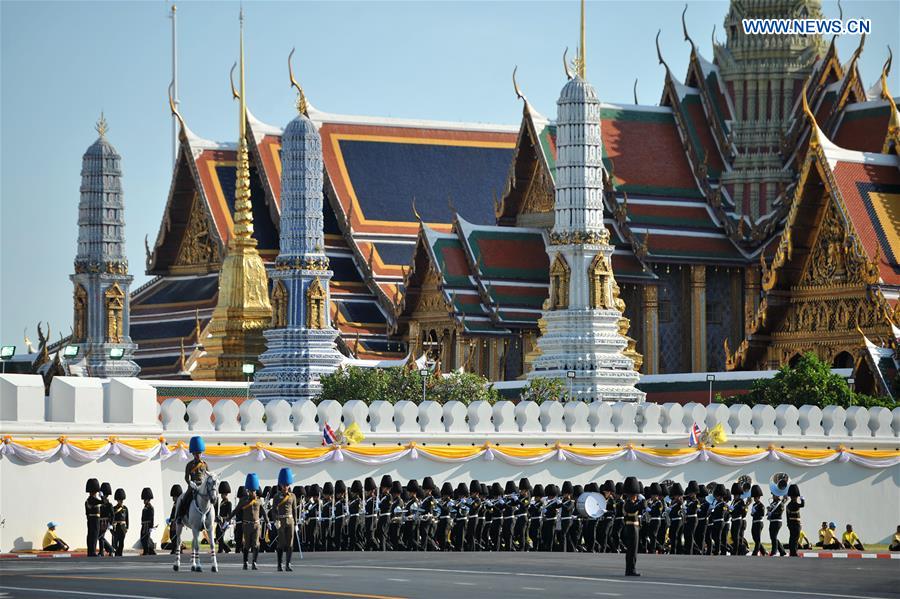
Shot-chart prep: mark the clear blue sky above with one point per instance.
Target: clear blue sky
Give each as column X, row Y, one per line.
column 62, row 62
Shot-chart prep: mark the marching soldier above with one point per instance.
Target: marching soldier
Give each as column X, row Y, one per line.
column 428, row 516
column 120, row 522
column 615, row 542
column 284, row 505
column 326, row 517
column 633, row 506
column 175, row 493
column 535, row 511
column 676, row 518
column 520, row 527
column 717, row 518
column 702, row 519
column 691, row 506
column 339, row 516
column 92, row 511
column 444, row 517
column 738, row 519
column 460, row 513
column 571, row 528
column 550, row 518
column 249, row 508
column 356, row 517
column 238, row 522
column 300, row 515
column 793, row 518
column 223, row 511
column 148, row 522
column 604, row 526
column 757, row 513
column 655, row 506
column 385, row 502
column 476, row 515
column 396, row 511
column 372, row 512
column 106, row 516
column 313, row 518
column 774, row 516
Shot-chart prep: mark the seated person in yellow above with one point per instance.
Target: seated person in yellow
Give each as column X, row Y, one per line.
column 827, row 538
column 851, row 539
column 52, row 542
column 803, row 541
column 895, row 541
column 166, row 541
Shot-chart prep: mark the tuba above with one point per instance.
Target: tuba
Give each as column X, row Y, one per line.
column 746, row 483
column 779, row 484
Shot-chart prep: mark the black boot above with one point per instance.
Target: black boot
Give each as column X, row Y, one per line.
column 279, row 553
column 255, row 556
column 246, row 553
column 287, row 565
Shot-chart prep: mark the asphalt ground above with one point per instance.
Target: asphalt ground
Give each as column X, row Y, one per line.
column 453, row 575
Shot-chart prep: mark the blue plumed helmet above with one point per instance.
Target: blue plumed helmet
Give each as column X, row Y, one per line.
column 197, row 445
column 285, row 477
column 252, row 482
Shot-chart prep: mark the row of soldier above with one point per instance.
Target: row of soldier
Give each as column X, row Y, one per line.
column 365, row 516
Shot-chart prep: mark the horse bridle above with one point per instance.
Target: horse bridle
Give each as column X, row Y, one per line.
column 208, row 495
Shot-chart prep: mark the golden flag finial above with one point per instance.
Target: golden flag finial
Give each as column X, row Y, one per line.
column 102, row 126
column 302, row 104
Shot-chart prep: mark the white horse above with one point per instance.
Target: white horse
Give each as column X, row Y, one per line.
column 199, row 517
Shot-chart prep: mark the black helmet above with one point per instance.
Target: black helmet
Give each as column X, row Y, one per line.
column 428, row 484
column 299, row 491
column 327, row 489
column 119, row 495
column 719, row 491
column 446, row 489
column 701, row 490
column 676, row 490
column 484, row 490
column 538, row 491
column 461, row 490
column 224, row 487
column 412, row 485
column 369, row 484
column 474, row 487
column 619, row 488
column 793, row 491
column 692, row 488
column 313, row 490
column 577, row 490
column 736, row 489
column 591, row 488
column 106, row 489
column 510, row 488
column 552, row 491
column 524, row 484
column 630, row 486
column 146, row 494
column 396, row 488
column 340, row 487
column 356, row 487
column 655, row 489
column 241, row 492
column 92, row 486
column 608, row 487
column 567, row 487
column 756, row 491
column 175, row 491
column 386, row 481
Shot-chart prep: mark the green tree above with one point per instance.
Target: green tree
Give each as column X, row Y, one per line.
column 464, row 387
column 810, row 382
column 542, row 389
column 396, row 384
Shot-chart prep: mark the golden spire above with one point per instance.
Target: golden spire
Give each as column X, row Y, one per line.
column 243, row 309
column 243, row 209
column 102, row 127
column 302, row 104
column 581, row 60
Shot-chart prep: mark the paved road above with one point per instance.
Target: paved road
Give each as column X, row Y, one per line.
column 455, row 575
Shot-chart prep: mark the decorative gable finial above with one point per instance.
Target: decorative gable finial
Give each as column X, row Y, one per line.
column 102, row 127
column 302, row 104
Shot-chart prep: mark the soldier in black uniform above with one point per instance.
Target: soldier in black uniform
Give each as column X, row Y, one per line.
column 615, row 541
column 604, row 526
column 385, row 502
column 371, row 510
column 355, row 517
column 520, row 525
column 106, row 516
column 550, row 516
column 738, row 519
column 506, row 511
column 702, row 519
column 175, row 492
column 148, row 521
column 395, row 518
column 793, row 518
column 444, row 517
column 774, row 515
column 655, row 506
column 339, row 525
column 535, row 523
column 428, row 516
column 676, row 518
column 757, row 513
column 476, row 515
column 633, row 507
column 119, row 522
column 326, row 521
column 691, row 507
column 300, row 516
column 313, row 518
column 574, row 532
column 238, row 522
column 589, row 525
column 461, row 512
column 716, row 519
column 224, row 515
column 92, row 511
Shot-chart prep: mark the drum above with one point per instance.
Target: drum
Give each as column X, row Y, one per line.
column 590, row 505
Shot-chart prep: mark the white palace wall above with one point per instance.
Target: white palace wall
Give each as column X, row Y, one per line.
column 52, row 489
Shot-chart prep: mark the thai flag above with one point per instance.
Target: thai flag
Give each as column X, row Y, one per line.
column 694, row 439
column 328, row 436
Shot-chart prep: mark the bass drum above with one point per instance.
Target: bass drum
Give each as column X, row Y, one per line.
column 590, row 505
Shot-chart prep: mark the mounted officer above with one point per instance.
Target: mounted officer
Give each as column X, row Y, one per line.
column 194, row 472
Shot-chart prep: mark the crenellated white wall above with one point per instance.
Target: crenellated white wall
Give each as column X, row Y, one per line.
column 32, row 494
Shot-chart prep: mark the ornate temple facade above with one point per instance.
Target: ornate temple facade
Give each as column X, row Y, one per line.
column 301, row 342
column 437, row 233
column 101, row 296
